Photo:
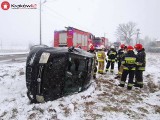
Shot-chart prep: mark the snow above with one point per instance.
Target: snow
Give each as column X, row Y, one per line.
column 103, row 100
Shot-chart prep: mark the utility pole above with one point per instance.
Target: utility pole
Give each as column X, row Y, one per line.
column 1, row 44
column 106, row 43
column 104, row 35
column 40, row 24
column 138, row 36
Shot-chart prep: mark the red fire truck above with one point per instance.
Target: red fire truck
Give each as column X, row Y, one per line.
column 73, row 37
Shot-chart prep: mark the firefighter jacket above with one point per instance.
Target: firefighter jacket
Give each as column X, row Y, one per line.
column 101, row 56
column 112, row 54
column 120, row 55
column 141, row 60
column 129, row 61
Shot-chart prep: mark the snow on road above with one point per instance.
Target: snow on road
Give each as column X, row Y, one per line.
column 104, row 100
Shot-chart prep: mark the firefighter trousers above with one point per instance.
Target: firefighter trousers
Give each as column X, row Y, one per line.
column 101, row 66
column 124, row 77
column 120, row 71
column 108, row 65
column 139, row 78
column 119, row 65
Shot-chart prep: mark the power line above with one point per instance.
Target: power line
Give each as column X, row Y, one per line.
column 60, row 15
column 63, row 16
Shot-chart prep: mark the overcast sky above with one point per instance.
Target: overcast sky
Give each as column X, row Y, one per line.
column 19, row 27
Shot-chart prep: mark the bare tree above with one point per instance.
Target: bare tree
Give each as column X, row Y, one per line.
column 125, row 32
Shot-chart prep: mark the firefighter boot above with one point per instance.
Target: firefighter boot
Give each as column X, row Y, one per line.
column 111, row 71
column 141, row 85
column 121, row 85
column 136, row 85
column 117, row 77
column 129, row 88
column 94, row 76
column 106, row 70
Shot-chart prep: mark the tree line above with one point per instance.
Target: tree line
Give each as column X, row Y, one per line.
column 129, row 34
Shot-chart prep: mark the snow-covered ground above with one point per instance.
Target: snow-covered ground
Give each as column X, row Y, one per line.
column 103, row 100
column 2, row 53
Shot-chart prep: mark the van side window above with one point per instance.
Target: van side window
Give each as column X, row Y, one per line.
column 82, row 65
column 75, row 64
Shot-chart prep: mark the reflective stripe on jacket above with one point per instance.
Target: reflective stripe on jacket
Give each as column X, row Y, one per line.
column 129, row 61
column 111, row 60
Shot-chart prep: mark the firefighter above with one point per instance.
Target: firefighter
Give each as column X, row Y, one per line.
column 112, row 54
column 129, row 66
column 101, row 59
column 141, row 63
column 92, row 50
column 120, row 54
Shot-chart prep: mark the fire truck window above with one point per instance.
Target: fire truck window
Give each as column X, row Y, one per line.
column 63, row 38
column 83, row 40
column 85, row 37
column 79, row 38
column 82, row 37
column 85, row 43
column 75, row 39
column 90, row 36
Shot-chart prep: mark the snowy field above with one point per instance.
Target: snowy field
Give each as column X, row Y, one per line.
column 12, row 52
column 104, row 100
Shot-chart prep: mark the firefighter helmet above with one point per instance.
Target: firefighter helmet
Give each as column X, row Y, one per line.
column 130, row 48
column 138, row 46
column 102, row 47
column 112, row 47
column 91, row 47
column 122, row 46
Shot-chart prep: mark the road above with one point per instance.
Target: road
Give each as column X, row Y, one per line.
column 12, row 58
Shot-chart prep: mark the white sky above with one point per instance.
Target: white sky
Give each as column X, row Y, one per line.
column 21, row 27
